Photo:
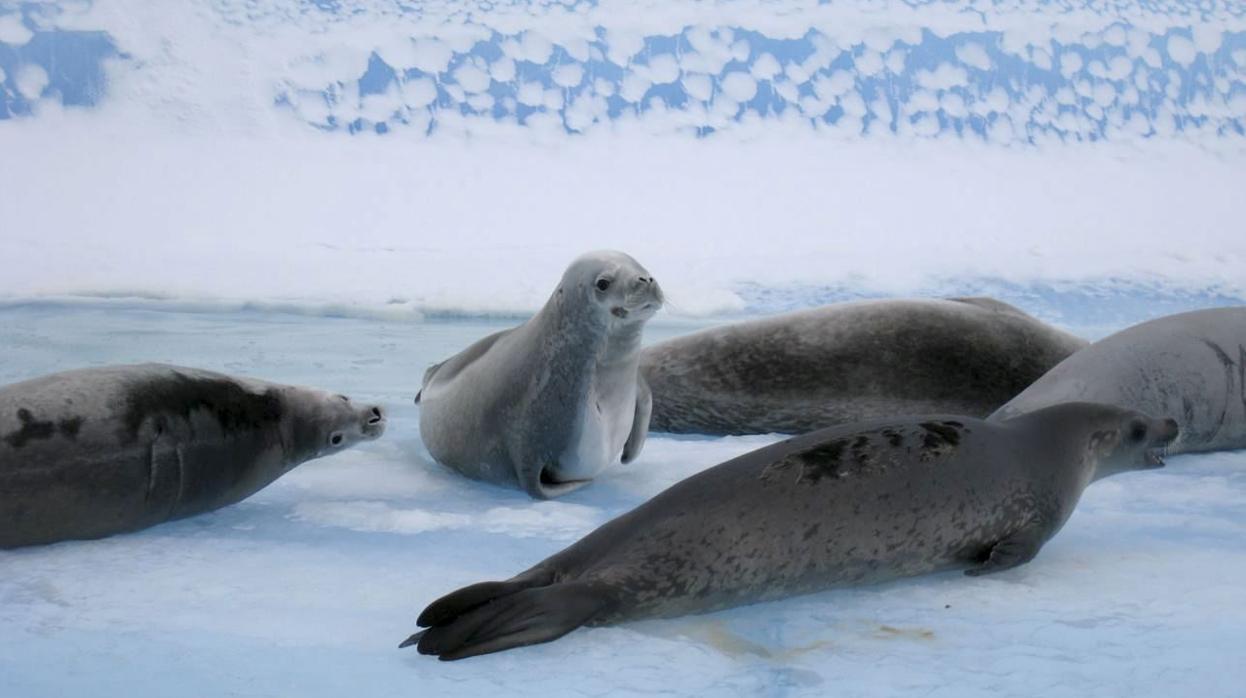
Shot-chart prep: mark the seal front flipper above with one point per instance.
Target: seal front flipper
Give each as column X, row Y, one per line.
column 527, row 617
column 640, row 422
column 1013, row 551
column 166, row 477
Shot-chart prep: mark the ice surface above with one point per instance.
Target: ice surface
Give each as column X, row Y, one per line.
column 307, row 587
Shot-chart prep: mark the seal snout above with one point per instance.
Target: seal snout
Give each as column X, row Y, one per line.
column 1168, row 430
column 647, row 292
column 1164, row 432
column 373, row 421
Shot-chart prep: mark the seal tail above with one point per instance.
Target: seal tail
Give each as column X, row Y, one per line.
column 496, row 616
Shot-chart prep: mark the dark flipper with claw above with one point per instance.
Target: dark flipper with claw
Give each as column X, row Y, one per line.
column 496, row 616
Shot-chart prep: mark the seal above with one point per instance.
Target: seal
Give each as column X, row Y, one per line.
column 547, row 405
column 851, row 504
column 843, row 363
column 1190, row 366
column 97, row 451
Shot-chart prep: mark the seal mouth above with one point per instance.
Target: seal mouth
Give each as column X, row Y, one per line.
column 622, row 311
column 1168, row 431
column 1155, row 456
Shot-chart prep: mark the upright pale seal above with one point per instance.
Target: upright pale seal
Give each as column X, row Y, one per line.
column 548, row 405
column 847, row 362
column 1190, row 366
column 98, row 451
column 852, row 504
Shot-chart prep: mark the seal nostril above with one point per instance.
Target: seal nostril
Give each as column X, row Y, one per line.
column 377, row 416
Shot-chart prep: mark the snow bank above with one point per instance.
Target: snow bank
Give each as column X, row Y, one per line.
column 395, row 228
column 195, row 155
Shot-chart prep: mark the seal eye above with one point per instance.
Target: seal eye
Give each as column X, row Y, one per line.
column 1137, row 432
column 336, row 439
column 602, row 284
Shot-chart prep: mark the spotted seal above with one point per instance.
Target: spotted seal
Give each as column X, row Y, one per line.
column 851, row 504
column 97, row 451
column 843, row 363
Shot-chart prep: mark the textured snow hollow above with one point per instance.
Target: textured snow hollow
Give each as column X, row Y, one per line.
column 1003, row 73
column 306, row 588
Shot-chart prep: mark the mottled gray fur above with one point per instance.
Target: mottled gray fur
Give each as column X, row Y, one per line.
column 847, row 505
column 843, row 363
column 98, row 451
column 1189, row 366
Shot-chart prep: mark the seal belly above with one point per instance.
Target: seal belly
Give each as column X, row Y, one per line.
column 601, row 432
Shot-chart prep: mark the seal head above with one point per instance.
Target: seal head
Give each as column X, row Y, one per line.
column 619, row 293
column 324, row 423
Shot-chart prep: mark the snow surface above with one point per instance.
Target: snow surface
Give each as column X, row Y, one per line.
column 306, row 588
column 200, row 151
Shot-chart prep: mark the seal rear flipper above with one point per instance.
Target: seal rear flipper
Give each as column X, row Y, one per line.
column 456, row 603
column 1010, row 552
column 527, row 617
column 540, row 482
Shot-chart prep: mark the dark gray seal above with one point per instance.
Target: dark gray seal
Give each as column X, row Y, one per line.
column 98, row 451
column 1189, row 366
column 548, row 405
column 848, row 362
column 851, row 504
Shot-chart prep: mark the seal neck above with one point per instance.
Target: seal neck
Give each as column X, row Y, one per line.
column 1064, row 437
column 622, row 344
column 570, row 331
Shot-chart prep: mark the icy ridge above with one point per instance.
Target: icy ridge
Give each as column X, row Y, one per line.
column 1005, row 73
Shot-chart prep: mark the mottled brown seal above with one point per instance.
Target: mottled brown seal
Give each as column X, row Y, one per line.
column 846, row 505
column 847, row 362
column 98, row 451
